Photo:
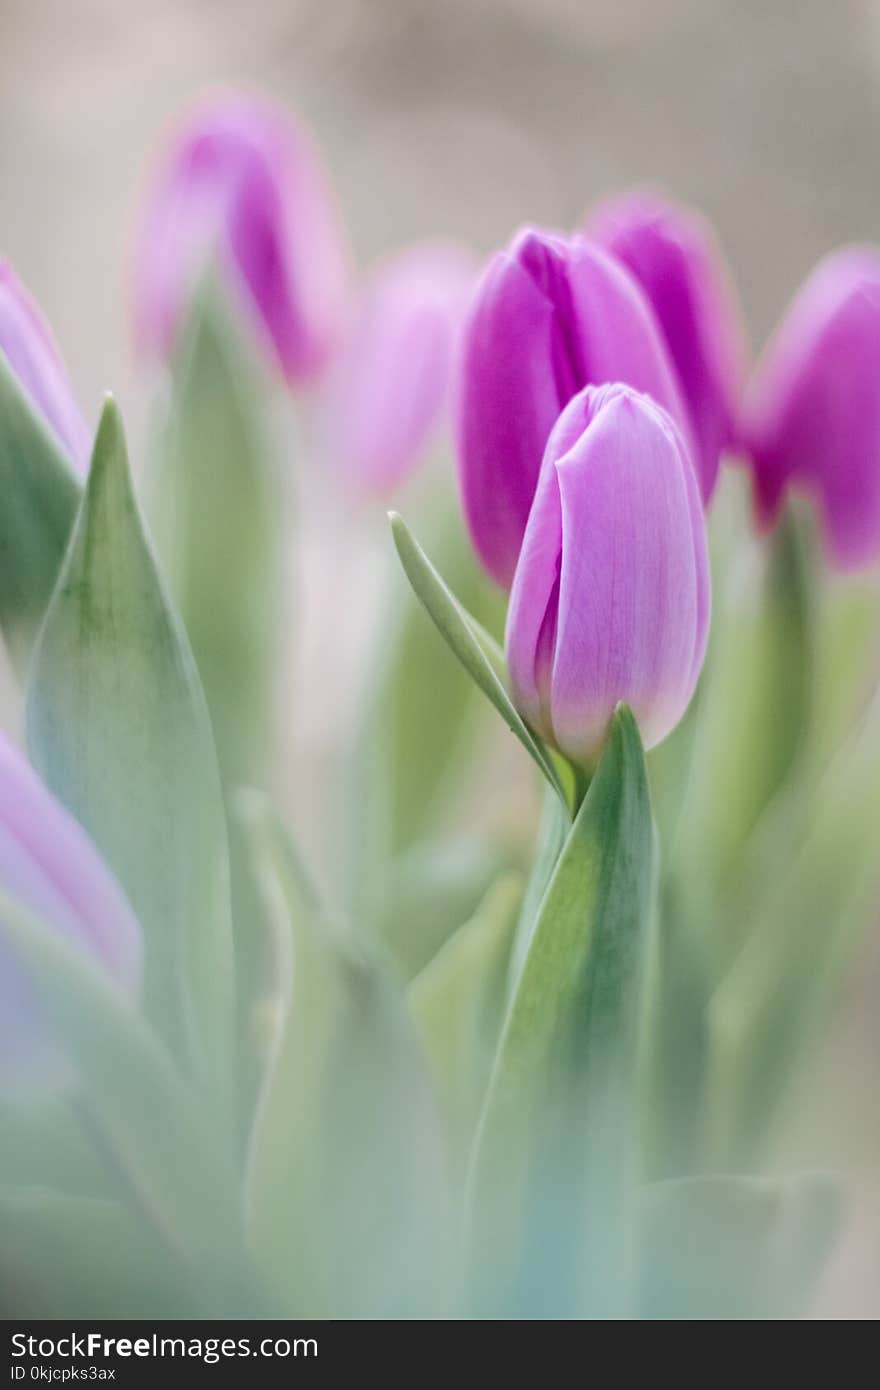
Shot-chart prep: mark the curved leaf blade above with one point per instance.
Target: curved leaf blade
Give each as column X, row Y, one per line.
column 476, row 650
column 118, row 728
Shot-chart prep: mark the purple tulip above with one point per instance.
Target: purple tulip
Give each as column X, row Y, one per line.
column 812, row 411
column 388, row 395
column 28, row 346
column 51, row 868
column 611, row 595
column 242, row 190
column 551, row 315
column 672, row 253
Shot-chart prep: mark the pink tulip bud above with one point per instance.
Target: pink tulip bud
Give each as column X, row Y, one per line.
column 388, row 395
column 811, row 417
column 611, row 596
column 672, row 253
column 50, row 867
column 242, row 191
column 29, row 349
column 551, row 315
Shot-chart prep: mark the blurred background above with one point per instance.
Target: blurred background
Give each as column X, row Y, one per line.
column 461, row 119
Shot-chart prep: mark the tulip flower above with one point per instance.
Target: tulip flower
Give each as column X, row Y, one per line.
column 30, row 351
column 672, row 253
column 550, row 316
column 387, row 399
column 611, row 596
column 49, row 866
column 242, row 192
column 811, row 417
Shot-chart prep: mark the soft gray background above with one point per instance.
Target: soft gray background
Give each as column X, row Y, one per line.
column 459, row 117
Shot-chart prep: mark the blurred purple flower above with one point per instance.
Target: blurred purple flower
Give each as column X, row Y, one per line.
column 28, row 346
column 672, row 253
column 242, row 189
column 50, row 867
column 551, row 315
column 388, row 394
column 611, row 594
column 811, row 416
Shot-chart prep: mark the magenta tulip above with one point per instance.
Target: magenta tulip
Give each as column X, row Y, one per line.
column 672, row 253
column 811, row 418
column 551, row 315
column 387, row 399
column 50, row 867
column 242, row 191
column 30, row 351
column 611, row 596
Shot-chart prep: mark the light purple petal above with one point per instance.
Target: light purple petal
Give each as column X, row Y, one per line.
column 388, row 395
column 812, row 412
column 243, row 189
column 672, row 253
column 509, row 398
column 27, row 344
column 50, row 866
column 613, row 577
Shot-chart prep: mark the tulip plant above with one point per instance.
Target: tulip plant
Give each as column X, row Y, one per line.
column 455, row 1072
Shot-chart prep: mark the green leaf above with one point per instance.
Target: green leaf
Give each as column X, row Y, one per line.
column 552, row 835
column 734, row 1247
column 40, row 494
column 809, row 910
column 751, row 721
column 118, row 728
column 457, row 1003
column 83, row 1258
column 558, row 1116
column 152, row 1132
column 218, row 531
column 345, row 1170
column 477, row 652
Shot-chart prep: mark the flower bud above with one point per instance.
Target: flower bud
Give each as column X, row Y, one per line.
column 672, row 253
column 387, row 398
column 611, row 596
column 811, row 417
column 51, row 868
column 29, row 349
column 551, row 315
column 242, row 192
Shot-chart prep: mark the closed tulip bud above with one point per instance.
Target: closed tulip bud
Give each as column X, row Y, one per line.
column 551, row 315
column 387, row 398
column 611, row 596
column 30, row 351
column 242, row 192
column 811, row 417
column 50, row 867
column 672, row 253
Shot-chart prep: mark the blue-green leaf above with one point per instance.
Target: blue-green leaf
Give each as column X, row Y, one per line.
column 457, row 1002
column 733, row 1247
column 154, row 1133
column 218, row 530
column 554, row 1156
column 117, row 726
column 346, row 1165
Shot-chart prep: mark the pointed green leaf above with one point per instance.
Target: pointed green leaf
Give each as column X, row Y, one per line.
column 117, row 725
column 558, row 1115
column 476, row 651
column 734, row 1247
column 346, row 1169
column 40, row 494
column 150, row 1129
column 457, row 1002
column 218, row 531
